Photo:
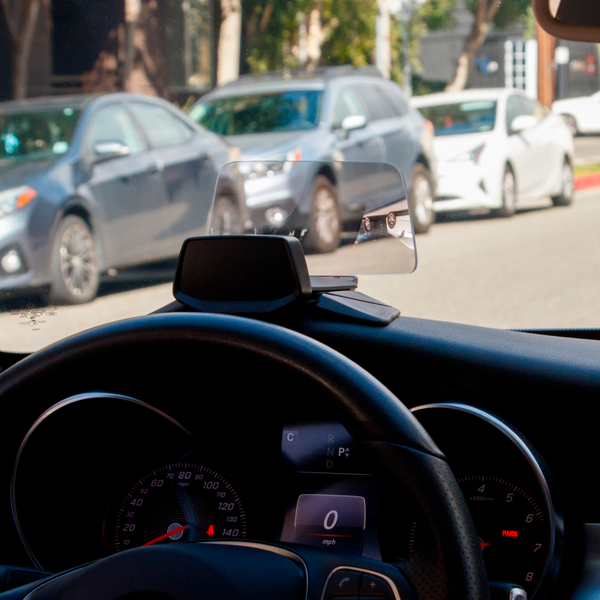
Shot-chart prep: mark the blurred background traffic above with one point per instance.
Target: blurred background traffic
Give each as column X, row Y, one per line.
column 116, row 117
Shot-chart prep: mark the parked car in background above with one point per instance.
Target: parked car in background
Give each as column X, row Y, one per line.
column 496, row 147
column 336, row 114
column 91, row 183
column 582, row 115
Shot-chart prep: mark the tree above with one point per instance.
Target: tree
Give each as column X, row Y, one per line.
column 21, row 19
column 502, row 14
column 228, row 55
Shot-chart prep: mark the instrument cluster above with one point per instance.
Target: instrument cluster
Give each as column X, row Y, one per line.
column 110, row 472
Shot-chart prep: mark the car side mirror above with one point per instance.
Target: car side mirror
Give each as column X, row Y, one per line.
column 108, row 150
column 353, row 122
column 523, row 122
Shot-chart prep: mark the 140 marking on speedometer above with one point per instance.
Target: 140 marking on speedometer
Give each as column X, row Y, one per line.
column 177, row 502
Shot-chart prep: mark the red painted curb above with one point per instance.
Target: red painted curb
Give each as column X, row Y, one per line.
column 583, row 182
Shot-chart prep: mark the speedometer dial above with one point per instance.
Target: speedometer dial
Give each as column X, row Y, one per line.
column 177, row 502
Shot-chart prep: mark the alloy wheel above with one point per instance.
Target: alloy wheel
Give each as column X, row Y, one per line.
column 327, row 221
column 78, row 261
column 509, row 193
column 423, row 200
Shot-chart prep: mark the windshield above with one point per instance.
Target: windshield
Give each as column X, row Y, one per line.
column 462, row 117
column 295, row 110
column 128, row 126
column 33, row 135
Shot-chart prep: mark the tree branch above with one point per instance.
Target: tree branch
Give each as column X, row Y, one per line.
column 11, row 19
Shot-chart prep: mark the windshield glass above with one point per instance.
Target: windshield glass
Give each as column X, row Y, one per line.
column 295, row 110
column 462, row 117
column 129, row 126
column 34, row 135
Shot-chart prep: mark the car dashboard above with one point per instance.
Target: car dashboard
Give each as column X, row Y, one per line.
column 203, row 449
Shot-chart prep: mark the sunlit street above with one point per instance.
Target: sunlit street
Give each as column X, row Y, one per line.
column 526, row 271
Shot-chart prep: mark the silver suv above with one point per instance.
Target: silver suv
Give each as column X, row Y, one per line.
column 329, row 115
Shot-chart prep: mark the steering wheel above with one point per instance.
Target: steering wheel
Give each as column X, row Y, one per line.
column 447, row 565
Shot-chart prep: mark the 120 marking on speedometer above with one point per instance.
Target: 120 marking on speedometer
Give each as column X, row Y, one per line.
column 177, row 502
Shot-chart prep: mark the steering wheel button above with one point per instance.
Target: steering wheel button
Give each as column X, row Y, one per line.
column 374, row 586
column 343, row 583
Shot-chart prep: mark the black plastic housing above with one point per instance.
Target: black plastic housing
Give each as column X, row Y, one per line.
column 262, row 273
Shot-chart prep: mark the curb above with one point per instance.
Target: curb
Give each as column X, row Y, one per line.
column 583, row 182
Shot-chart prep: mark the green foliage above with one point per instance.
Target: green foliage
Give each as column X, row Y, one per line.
column 437, row 14
column 271, row 32
column 350, row 27
column 509, row 12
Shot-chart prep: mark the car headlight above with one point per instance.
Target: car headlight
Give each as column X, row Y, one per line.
column 472, row 156
column 270, row 168
column 15, row 198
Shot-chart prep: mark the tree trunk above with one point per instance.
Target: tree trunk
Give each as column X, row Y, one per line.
column 383, row 48
column 473, row 43
column 315, row 36
column 228, row 57
column 22, row 35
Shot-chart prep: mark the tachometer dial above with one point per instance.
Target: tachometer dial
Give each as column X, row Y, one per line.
column 513, row 532
column 177, row 502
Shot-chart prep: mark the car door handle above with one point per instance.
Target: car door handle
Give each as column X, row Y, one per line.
column 158, row 167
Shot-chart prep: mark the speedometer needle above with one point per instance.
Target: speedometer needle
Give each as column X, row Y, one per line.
column 165, row 535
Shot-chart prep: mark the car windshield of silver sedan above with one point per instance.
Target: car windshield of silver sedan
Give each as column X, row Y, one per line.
column 295, row 110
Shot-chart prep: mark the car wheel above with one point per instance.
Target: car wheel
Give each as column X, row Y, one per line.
column 75, row 273
column 324, row 227
column 226, row 218
column 565, row 198
column 420, row 198
column 509, row 194
column 571, row 124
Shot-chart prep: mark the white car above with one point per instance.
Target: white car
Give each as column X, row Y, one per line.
column 582, row 115
column 495, row 147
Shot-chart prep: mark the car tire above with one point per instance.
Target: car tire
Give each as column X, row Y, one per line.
column 509, row 194
column 571, row 124
column 226, row 218
column 420, row 198
column 324, row 227
column 565, row 198
column 74, row 269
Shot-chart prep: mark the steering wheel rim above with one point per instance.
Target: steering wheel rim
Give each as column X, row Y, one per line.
column 449, row 563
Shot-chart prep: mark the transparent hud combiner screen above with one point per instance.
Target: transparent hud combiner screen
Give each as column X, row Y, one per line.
column 353, row 218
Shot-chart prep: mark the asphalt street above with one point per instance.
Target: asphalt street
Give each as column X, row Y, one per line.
column 540, row 268
column 587, row 150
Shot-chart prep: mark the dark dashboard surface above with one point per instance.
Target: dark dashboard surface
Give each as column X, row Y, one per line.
column 546, row 387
